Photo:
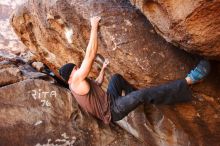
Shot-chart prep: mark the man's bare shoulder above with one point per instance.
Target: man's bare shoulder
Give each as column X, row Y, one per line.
column 80, row 87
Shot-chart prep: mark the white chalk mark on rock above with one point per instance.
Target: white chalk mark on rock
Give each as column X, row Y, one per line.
column 69, row 34
column 64, row 136
column 38, row 123
column 128, row 23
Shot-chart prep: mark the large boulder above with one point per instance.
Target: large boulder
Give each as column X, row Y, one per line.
column 57, row 32
column 15, row 68
column 192, row 25
column 9, row 75
column 31, row 110
column 195, row 124
column 37, row 112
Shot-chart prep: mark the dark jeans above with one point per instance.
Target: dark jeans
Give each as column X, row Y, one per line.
column 174, row 92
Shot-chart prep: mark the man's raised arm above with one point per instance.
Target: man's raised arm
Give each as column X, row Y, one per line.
column 100, row 78
column 91, row 50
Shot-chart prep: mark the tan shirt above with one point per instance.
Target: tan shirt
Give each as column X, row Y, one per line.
column 95, row 102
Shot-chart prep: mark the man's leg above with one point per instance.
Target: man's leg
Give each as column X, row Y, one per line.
column 174, row 92
column 118, row 84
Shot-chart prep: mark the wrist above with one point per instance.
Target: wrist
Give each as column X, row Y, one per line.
column 94, row 27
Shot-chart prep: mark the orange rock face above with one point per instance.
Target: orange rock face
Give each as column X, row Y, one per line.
column 36, row 111
column 192, row 25
column 58, row 33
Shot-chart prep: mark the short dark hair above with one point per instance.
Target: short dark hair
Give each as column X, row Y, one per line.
column 66, row 70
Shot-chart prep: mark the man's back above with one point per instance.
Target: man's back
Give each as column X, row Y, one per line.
column 96, row 101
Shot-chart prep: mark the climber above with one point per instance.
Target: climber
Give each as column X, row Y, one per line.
column 111, row 105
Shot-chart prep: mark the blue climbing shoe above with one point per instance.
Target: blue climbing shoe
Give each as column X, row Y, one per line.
column 200, row 72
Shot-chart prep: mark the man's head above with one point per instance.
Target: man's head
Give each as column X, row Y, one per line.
column 65, row 71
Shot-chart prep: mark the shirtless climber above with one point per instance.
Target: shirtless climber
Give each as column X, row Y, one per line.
column 111, row 105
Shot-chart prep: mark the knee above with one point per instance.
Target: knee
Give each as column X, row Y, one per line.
column 116, row 76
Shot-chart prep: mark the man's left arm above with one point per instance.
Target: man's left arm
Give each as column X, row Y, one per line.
column 100, row 78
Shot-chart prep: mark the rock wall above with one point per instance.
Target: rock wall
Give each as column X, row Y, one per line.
column 125, row 38
column 57, row 32
column 194, row 123
column 192, row 25
column 35, row 110
column 8, row 39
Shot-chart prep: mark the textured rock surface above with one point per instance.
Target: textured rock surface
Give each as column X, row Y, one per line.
column 39, row 112
column 9, row 75
column 36, row 112
column 193, row 25
column 8, row 39
column 125, row 37
column 14, row 69
column 194, row 124
column 25, row 107
column 57, row 33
